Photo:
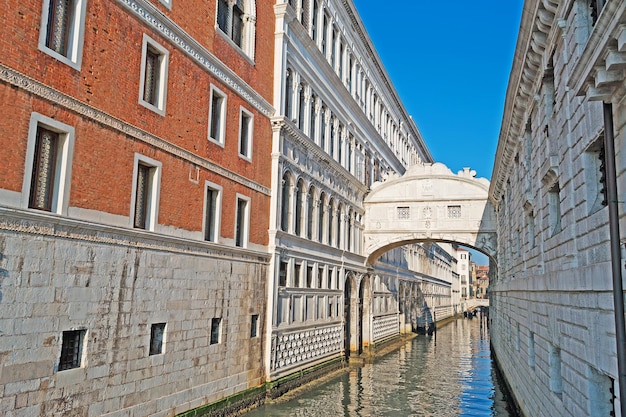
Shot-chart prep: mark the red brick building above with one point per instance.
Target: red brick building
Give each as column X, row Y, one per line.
column 134, row 203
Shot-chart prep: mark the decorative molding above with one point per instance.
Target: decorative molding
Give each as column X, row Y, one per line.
column 384, row 327
column 300, row 347
column 32, row 222
column 150, row 15
column 30, row 85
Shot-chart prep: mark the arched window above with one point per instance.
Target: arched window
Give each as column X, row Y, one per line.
column 331, row 144
column 321, row 208
column 323, row 129
column 313, row 118
column 315, row 20
column 288, row 93
column 310, row 212
column 304, row 14
column 340, row 145
column 300, row 190
column 301, row 106
column 331, row 223
column 285, row 202
column 349, row 231
column 236, row 19
column 338, row 221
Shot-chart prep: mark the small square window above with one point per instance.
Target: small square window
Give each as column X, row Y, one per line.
column 62, row 30
column 145, row 192
column 216, row 324
column 254, row 326
column 71, row 349
column 157, row 338
column 217, row 116
column 153, row 82
column 245, row 134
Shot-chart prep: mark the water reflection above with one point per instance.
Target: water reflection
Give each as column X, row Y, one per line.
column 449, row 374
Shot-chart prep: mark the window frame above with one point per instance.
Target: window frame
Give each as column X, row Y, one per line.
column 254, row 326
column 243, row 239
column 218, row 211
column 152, row 211
column 161, row 87
column 245, row 114
column 78, row 360
column 63, row 163
column 75, row 35
column 221, row 140
column 215, row 330
column 248, row 27
column 161, row 348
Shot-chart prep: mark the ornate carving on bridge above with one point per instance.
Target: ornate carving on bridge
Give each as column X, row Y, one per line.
column 449, row 207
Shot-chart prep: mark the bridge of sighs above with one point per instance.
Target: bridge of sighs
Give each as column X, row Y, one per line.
column 428, row 203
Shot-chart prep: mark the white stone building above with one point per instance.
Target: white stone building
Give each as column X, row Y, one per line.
column 340, row 127
column 552, row 309
column 464, row 263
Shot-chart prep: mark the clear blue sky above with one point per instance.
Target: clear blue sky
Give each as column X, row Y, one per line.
column 450, row 63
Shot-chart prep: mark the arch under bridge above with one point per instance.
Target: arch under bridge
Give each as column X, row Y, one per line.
column 428, row 203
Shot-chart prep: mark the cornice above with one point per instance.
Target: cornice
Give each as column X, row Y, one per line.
column 45, row 224
column 335, row 169
column 538, row 20
column 599, row 70
column 23, row 82
column 374, row 59
column 154, row 18
column 321, row 75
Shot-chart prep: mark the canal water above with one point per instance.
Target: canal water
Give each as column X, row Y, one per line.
column 447, row 374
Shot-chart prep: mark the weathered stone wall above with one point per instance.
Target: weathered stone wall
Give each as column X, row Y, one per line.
column 114, row 284
column 552, row 319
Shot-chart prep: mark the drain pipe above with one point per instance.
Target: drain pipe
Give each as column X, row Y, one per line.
column 616, row 261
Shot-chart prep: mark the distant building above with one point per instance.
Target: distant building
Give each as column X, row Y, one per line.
column 481, row 282
column 551, row 309
column 464, row 265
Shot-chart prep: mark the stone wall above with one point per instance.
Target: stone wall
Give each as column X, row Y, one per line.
column 114, row 284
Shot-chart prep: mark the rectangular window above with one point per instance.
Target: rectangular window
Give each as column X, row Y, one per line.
column 297, row 270
column 217, row 118
column 141, row 197
column 242, row 222
column 282, row 274
column 71, row 349
column 62, row 30
column 44, row 169
column 254, row 326
column 216, row 324
column 153, row 82
column 145, row 192
column 404, row 213
column 245, row 134
column 212, row 210
column 48, row 165
column 157, row 338
column 309, row 276
column 554, row 203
